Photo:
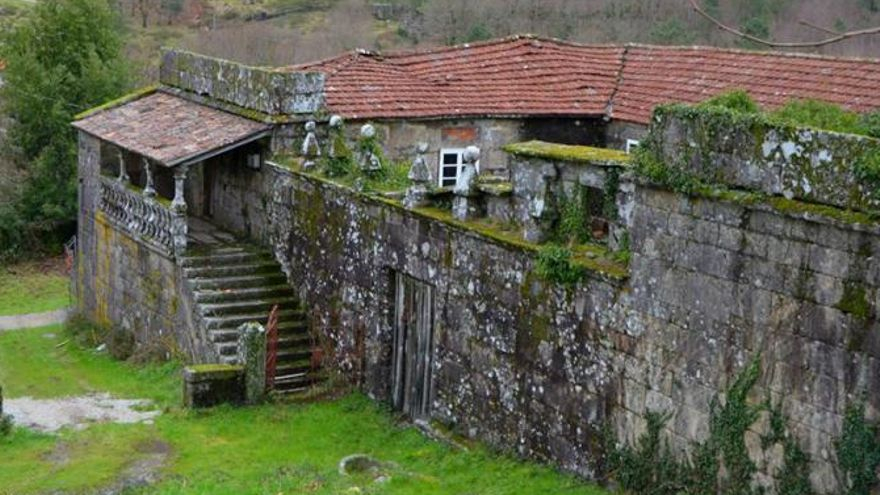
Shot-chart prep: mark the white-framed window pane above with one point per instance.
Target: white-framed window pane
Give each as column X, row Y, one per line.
column 451, row 163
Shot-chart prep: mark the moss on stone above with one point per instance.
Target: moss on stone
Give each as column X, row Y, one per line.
column 569, row 153
column 214, row 368
column 122, row 100
column 855, row 300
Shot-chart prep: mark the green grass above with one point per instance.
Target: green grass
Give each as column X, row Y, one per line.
column 275, row 448
column 32, row 288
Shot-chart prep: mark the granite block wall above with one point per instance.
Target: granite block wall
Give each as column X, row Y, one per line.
column 538, row 368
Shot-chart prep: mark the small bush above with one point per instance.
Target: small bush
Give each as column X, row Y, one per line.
column 84, row 332
column 737, row 100
column 555, row 264
column 870, row 124
column 5, row 425
column 120, row 343
column 858, row 451
column 819, row 114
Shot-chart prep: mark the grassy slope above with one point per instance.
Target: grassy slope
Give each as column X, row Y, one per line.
column 283, row 448
column 32, row 288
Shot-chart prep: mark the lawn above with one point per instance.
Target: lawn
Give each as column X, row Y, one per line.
column 33, row 287
column 276, row 448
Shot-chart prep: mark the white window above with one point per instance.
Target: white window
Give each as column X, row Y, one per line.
column 631, row 145
column 451, row 165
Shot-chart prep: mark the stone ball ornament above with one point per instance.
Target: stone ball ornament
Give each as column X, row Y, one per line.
column 368, row 131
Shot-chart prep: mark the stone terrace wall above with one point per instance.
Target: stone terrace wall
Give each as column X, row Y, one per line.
column 717, row 283
column 538, row 368
column 122, row 283
column 262, row 90
column 518, row 363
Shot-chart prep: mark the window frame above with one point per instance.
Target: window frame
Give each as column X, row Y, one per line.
column 459, row 165
column 632, row 144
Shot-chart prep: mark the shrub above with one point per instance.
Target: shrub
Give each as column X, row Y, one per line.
column 813, row 113
column 858, row 451
column 555, row 264
column 737, row 100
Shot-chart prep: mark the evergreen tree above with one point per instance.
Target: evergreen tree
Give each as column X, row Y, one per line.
column 63, row 58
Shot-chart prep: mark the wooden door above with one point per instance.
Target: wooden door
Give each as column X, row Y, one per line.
column 413, row 346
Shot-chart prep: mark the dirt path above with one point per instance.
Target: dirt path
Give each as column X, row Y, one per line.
column 50, row 415
column 33, row 320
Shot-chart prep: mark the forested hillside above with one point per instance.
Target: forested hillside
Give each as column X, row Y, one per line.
column 292, row 31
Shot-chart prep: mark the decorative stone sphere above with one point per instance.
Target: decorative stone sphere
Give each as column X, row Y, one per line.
column 335, row 121
column 422, row 148
column 471, row 154
column 310, row 126
column 368, row 131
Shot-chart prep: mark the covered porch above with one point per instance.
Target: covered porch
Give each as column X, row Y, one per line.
column 159, row 156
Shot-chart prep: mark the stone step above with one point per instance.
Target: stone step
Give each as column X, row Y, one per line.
column 206, row 296
column 234, row 321
column 238, row 282
column 235, row 270
column 247, row 307
column 221, row 259
column 293, row 354
column 293, row 383
column 229, row 359
column 290, row 332
column 292, row 368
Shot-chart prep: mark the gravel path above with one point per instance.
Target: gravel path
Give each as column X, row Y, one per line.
column 50, row 415
column 33, row 320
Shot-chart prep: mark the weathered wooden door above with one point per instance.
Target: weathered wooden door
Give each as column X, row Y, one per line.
column 413, row 346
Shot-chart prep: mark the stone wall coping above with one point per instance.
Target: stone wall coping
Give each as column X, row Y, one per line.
column 790, row 208
column 602, row 157
column 206, row 372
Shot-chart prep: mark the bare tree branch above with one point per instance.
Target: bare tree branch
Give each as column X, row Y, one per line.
column 838, row 37
column 819, row 28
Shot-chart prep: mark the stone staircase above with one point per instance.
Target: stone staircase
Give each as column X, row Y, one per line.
column 236, row 284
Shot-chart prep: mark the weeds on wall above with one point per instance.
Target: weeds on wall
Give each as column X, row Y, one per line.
column 555, row 264
column 573, row 225
column 389, row 177
column 858, row 451
column 721, row 463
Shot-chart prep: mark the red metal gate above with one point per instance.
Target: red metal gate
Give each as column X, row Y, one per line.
column 271, row 348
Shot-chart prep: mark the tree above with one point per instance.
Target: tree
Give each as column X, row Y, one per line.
column 62, row 59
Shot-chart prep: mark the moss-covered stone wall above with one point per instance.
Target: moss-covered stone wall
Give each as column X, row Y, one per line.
column 125, row 285
column 265, row 91
column 746, row 151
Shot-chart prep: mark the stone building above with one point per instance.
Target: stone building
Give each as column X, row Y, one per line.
column 206, row 202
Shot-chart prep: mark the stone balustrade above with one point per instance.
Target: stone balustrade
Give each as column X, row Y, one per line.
column 144, row 216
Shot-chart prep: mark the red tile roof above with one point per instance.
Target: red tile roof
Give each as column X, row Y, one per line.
column 539, row 77
column 168, row 129
column 514, row 76
column 653, row 75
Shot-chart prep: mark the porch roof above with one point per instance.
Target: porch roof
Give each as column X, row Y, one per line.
column 170, row 130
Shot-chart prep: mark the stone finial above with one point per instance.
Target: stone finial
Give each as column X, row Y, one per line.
column 336, row 137
column 420, row 177
column 368, row 159
column 464, row 204
column 310, row 147
column 368, row 131
column 466, row 181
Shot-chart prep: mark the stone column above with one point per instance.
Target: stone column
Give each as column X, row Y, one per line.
column 180, row 227
column 252, row 355
column 123, row 173
column 149, row 188
column 464, row 206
